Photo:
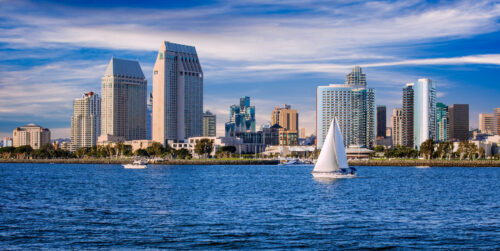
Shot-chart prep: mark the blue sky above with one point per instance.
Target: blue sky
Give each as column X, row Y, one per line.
column 276, row 52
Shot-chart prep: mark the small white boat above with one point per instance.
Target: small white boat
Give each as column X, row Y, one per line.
column 138, row 164
column 332, row 161
column 288, row 162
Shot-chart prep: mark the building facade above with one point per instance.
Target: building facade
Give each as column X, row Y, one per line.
column 408, row 103
column 442, row 124
column 241, row 118
column 381, row 121
column 397, row 127
column 209, row 124
column 459, row 121
column 496, row 112
column 123, row 101
column 487, row 123
column 177, row 93
column 424, row 111
column 353, row 105
column 286, row 117
column 86, row 120
column 149, row 118
column 7, row 141
column 32, row 135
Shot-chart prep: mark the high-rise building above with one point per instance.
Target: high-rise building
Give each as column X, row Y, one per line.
column 286, row 117
column 209, row 124
column 381, row 121
column 123, row 101
column 353, row 105
column 407, row 126
column 442, row 124
column 241, row 118
column 487, row 123
column 32, row 135
column 177, row 93
column 496, row 112
column 86, row 120
column 397, row 126
column 424, row 111
column 149, row 118
column 302, row 133
column 459, row 121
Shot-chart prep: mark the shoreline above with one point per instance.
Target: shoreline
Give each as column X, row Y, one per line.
column 394, row 162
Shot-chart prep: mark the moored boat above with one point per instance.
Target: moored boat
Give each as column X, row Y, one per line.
column 138, row 164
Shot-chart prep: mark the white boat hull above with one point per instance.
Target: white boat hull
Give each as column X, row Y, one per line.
column 332, row 175
column 132, row 166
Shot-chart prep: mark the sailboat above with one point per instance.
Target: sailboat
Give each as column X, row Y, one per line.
column 332, row 161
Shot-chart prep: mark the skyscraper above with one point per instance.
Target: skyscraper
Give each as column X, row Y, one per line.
column 397, row 126
column 286, row 117
column 177, row 93
column 123, row 103
column 459, row 121
column 353, row 104
column 442, row 124
column 241, row 117
column 424, row 111
column 496, row 112
column 487, row 123
column 32, row 135
column 149, row 118
column 381, row 121
column 86, row 120
column 407, row 123
column 209, row 124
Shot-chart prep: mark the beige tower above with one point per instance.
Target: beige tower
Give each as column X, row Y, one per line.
column 286, row 117
column 177, row 93
column 487, row 123
column 496, row 112
column 397, row 127
column 86, row 120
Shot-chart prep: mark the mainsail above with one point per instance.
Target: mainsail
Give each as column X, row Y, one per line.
column 332, row 156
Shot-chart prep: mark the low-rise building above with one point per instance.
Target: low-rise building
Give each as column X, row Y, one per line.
column 32, row 135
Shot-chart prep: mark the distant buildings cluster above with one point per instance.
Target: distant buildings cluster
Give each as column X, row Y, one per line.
column 173, row 113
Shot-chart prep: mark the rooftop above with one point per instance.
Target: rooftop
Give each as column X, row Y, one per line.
column 124, row 68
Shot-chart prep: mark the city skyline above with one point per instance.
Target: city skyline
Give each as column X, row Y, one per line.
column 56, row 61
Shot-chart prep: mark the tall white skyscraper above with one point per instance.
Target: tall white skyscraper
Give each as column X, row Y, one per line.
column 177, row 93
column 86, row 120
column 353, row 104
column 123, row 105
column 424, row 111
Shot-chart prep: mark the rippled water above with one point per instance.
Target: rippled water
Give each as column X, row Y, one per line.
column 206, row 207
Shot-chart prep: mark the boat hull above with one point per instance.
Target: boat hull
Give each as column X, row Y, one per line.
column 332, row 175
column 132, row 166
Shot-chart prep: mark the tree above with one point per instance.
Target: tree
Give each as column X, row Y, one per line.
column 379, row 148
column 225, row 151
column 427, row 148
column 6, row 152
column 481, row 152
column 182, row 153
column 156, row 149
column 141, row 152
column 204, row 147
column 22, row 151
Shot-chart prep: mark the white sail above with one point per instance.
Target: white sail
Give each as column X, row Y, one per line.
column 327, row 161
column 340, row 149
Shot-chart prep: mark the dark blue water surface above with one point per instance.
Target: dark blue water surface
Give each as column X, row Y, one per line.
column 253, row 207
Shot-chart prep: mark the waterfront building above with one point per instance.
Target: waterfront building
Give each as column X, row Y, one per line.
column 442, row 124
column 353, row 105
column 496, row 112
column 149, row 118
column 241, row 118
column 6, row 142
column 459, row 121
column 288, row 137
column 123, row 101
column 487, row 123
column 302, row 133
column 407, row 126
column 177, row 93
column 86, row 121
column 381, row 121
column 424, row 111
column 209, row 124
column 286, row 117
column 32, row 135
column 397, row 126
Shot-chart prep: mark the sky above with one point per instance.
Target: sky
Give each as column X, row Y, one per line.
column 276, row 52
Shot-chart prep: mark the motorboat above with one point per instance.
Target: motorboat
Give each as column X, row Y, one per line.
column 137, row 164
